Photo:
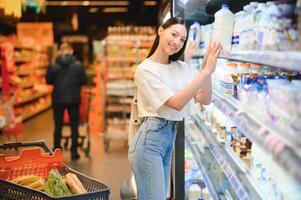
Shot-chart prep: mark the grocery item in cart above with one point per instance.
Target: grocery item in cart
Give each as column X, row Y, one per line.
column 55, row 186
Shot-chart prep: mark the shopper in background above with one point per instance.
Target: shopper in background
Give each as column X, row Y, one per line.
column 67, row 75
column 165, row 92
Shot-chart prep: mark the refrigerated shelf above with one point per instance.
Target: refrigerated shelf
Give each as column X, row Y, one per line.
column 284, row 150
column 197, row 157
column 234, row 169
column 284, row 60
column 236, row 109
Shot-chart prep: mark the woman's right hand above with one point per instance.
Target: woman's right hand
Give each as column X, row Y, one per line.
column 210, row 57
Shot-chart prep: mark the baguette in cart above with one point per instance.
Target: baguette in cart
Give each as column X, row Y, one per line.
column 41, row 174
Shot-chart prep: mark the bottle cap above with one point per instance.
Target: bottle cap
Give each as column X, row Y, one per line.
column 232, row 65
column 245, row 65
column 225, row 5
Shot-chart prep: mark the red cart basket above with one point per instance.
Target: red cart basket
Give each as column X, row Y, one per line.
column 34, row 161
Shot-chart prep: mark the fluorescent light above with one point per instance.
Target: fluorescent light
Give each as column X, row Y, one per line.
column 150, row 3
column 87, row 3
column 114, row 9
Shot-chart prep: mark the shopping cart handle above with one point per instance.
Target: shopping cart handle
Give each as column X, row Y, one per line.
column 15, row 145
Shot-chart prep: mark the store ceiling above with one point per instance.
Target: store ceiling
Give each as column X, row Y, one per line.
column 94, row 16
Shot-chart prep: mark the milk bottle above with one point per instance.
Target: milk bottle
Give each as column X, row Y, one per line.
column 195, row 32
column 236, row 31
column 223, row 27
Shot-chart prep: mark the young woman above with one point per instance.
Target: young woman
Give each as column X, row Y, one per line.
column 165, row 92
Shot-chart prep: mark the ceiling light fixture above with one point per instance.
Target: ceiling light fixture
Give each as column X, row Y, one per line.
column 87, row 3
column 115, row 10
column 150, row 3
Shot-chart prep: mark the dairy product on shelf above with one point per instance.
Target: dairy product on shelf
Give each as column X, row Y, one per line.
column 236, row 30
column 223, row 27
column 207, row 31
column 259, row 26
column 271, row 178
column 195, row 32
column 284, row 105
column 194, row 191
column 247, row 31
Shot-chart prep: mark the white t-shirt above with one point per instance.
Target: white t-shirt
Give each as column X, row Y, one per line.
column 156, row 83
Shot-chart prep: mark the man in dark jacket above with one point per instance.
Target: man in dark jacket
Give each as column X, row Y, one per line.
column 67, row 75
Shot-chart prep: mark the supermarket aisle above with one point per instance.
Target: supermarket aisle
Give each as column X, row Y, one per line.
column 112, row 168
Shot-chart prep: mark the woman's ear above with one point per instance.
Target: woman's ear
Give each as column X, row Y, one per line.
column 160, row 30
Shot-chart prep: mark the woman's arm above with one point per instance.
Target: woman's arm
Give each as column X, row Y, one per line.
column 205, row 95
column 179, row 100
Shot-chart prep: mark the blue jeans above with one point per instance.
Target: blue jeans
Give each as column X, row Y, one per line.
column 150, row 154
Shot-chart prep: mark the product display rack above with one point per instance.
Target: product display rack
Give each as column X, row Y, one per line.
column 280, row 59
column 260, row 131
column 238, row 182
column 123, row 54
column 268, row 169
column 31, row 65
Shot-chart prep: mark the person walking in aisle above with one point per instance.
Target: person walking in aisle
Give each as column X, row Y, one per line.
column 67, row 75
column 166, row 89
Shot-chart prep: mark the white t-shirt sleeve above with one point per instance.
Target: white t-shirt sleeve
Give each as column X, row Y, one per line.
column 152, row 88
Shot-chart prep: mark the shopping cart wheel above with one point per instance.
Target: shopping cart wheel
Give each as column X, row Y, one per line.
column 66, row 143
column 107, row 145
column 87, row 151
column 81, row 142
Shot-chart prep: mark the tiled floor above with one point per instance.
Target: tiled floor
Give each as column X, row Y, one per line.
column 111, row 168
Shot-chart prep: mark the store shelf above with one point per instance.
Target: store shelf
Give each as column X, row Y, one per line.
column 120, row 76
column 196, row 154
column 23, row 60
column 27, row 85
column 32, row 98
column 280, row 59
column 30, row 115
column 44, row 65
column 234, row 169
column 118, row 108
column 24, row 47
column 23, row 73
column 121, row 59
column 236, row 109
column 284, row 150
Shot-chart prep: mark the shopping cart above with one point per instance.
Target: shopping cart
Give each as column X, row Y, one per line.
column 13, row 125
column 83, row 122
column 34, row 161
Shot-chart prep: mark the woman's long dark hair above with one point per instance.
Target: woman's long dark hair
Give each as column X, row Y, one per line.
column 168, row 23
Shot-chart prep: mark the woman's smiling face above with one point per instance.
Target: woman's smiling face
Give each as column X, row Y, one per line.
column 172, row 38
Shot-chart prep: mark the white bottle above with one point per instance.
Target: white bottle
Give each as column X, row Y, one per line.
column 236, row 31
column 223, row 27
column 206, row 36
column 194, row 191
column 259, row 12
column 270, row 21
column 195, row 32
